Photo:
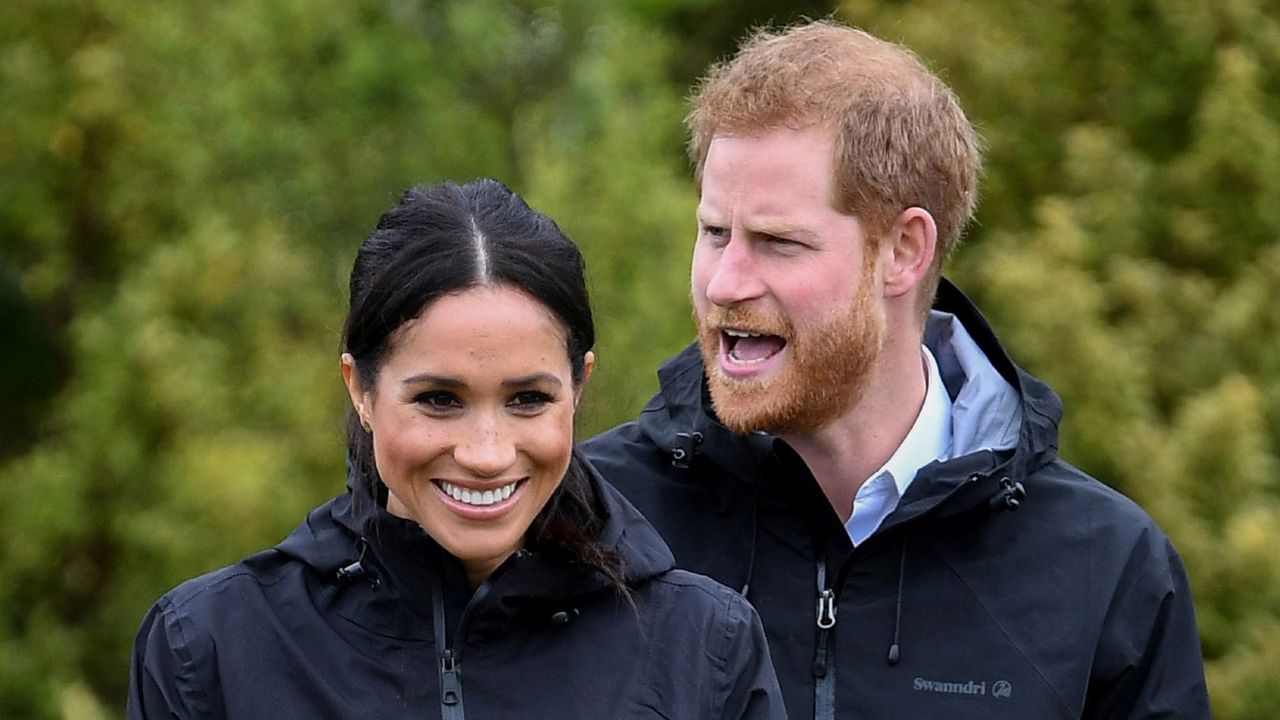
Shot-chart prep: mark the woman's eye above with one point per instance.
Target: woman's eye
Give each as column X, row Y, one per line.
column 530, row 401
column 437, row 400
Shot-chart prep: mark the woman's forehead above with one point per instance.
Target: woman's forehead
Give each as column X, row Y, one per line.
column 490, row 327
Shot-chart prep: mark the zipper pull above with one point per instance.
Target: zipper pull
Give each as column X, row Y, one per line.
column 826, row 621
column 827, row 609
column 450, row 686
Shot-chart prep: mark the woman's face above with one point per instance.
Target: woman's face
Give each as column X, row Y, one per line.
column 472, row 420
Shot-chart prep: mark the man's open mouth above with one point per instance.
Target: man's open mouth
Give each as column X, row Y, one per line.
column 745, row 347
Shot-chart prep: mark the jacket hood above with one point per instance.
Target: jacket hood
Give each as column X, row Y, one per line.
column 350, row 539
column 1005, row 422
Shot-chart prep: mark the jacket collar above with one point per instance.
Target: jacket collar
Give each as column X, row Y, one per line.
column 681, row 418
column 399, row 562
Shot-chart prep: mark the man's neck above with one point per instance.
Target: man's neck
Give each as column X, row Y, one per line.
column 844, row 453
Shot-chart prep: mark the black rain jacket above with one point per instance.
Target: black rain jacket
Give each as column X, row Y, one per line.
column 1006, row 584
column 356, row 618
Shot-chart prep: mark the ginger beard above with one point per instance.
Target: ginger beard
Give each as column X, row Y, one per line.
column 827, row 372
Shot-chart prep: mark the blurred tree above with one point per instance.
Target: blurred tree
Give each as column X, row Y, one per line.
column 710, row 30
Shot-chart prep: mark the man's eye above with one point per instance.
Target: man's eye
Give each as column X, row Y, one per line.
column 715, row 231
column 530, row 401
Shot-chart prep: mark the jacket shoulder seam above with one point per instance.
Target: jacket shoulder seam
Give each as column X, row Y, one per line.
column 191, row 590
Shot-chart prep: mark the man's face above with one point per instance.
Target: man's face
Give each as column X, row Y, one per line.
column 785, row 294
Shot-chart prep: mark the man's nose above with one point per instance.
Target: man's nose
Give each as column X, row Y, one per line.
column 734, row 275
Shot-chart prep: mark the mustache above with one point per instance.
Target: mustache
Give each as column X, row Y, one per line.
column 743, row 317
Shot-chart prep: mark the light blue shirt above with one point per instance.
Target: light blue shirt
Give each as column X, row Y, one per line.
column 929, row 439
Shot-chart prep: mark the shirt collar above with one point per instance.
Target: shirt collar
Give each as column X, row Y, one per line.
column 929, row 438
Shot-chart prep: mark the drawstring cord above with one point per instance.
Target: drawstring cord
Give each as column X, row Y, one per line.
column 356, row 570
column 682, row 454
column 895, row 651
column 755, row 537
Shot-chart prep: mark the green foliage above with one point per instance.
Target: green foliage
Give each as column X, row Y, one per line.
column 188, row 435
column 183, row 185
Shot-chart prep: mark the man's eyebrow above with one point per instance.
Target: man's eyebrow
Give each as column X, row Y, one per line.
column 782, row 229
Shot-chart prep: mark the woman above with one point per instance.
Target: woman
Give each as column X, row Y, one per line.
column 476, row 567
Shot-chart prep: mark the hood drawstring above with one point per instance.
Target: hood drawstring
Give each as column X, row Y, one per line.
column 682, row 457
column 751, row 554
column 686, row 445
column 895, row 651
column 564, row 616
column 356, row 571
column 1010, row 496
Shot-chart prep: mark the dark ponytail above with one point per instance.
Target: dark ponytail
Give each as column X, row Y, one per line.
column 572, row 520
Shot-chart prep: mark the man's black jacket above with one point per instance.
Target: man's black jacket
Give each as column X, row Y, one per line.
column 1007, row 584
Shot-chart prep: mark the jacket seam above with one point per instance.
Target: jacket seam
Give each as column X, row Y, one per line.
column 182, row 649
column 179, row 603
column 645, row 692
column 1063, row 705
column 731, row 602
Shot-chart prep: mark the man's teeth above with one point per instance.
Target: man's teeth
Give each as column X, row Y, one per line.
column 735, row 336
column 477, row 497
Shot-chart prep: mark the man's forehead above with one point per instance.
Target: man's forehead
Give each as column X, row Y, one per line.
column 761, row 208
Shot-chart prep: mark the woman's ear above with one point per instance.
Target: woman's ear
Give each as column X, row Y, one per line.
column 355, row 389
column 588, row 362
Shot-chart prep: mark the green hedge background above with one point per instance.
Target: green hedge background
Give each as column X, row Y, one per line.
column 183, row 185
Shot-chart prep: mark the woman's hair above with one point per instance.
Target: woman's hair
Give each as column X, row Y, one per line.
column 446, row 238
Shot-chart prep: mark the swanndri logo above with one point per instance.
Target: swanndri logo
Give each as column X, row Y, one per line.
column 999, row 688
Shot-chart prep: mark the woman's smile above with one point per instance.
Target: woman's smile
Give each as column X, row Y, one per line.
column 480, row 502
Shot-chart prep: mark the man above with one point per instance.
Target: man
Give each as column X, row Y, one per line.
column 849, row 445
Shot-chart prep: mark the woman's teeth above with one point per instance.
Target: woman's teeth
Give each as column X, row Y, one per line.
column 477, row 497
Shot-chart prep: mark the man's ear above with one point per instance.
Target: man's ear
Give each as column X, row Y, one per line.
column 908, row 251
column 355, row 389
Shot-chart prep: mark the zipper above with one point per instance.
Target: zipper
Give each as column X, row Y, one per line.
column 450, row 672
column 448, row 654
column 824, row 662
column 450, row 687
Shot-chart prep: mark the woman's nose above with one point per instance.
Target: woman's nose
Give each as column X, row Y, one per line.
column 487, row 450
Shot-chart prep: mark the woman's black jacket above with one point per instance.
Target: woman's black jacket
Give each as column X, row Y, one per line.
column 368, row 618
